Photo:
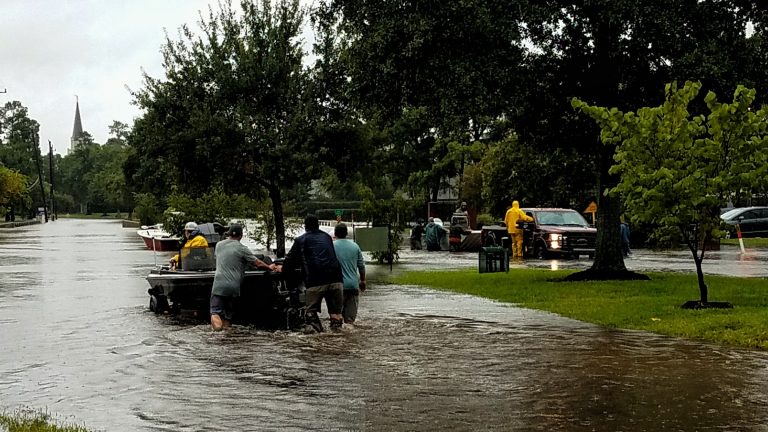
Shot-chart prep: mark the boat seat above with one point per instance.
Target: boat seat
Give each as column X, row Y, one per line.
column 197, row 259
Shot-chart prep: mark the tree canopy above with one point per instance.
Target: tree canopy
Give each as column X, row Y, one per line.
column 678, row 168
column 237, row 107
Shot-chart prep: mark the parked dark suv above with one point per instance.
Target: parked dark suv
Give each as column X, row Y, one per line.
column 557, row 232
column 753, row 221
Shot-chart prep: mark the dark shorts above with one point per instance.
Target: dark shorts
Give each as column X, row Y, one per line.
column 351, row 301
column 222, row 306
column 333, row 295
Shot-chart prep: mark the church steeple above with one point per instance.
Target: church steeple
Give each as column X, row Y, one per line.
column 77, row 130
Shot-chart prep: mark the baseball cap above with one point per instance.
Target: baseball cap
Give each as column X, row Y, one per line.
column 235, row 230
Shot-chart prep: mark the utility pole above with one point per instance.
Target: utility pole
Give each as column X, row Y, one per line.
column 36, row 150
column 50, row 168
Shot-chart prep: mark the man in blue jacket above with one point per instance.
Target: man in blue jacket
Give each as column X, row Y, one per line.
column 313, row 253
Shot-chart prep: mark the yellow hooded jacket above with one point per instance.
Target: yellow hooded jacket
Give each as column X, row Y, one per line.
column 513, row 215
column 197, row 241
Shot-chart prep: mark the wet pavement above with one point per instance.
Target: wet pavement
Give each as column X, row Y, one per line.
column 76, row 339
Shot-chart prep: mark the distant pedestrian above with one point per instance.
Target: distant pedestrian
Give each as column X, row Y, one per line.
column 314, row 254
column 513, row 215
column 353, row 271
column 232, row 258
column 416, row 232
column 462, row 209
column 624, row 229
column 433, row 235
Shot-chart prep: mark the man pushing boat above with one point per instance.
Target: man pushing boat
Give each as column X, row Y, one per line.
column 232, row 258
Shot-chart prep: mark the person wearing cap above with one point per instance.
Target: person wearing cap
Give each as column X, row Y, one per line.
column 313, row 253
column 193, row 238
column 232, row 259
column 352, row 269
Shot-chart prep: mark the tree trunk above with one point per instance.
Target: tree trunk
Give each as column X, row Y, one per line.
column 608, row 255
column 277, row 212
column 694, row 244
column 700, row 276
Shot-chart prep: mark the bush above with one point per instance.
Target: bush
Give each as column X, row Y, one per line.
column 484, row 219
column 146, row 208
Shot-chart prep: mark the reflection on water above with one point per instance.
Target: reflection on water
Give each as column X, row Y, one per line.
column 76, row 339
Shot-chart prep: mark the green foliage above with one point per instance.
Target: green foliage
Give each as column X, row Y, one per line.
column 35, row 421
column 381, row 211
column 264, row 229
column 19, row 152
column 17, row 134
column 450, row 71
column 642, row 305
column 385, row 212
column 65, row 203
column 92, row 174
column 513, row 170
column 392, row 255
column 677, row 169
column 237, row 107
column 484, row 219
column 13, row 186
column 147, row 209
column 213, row 206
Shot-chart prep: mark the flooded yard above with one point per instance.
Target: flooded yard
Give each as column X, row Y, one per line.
column 76, row 339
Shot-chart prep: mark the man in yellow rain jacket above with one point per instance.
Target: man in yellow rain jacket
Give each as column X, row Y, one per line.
column 513, row 215
column 194, row 239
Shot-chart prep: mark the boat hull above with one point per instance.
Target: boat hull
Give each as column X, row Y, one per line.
column 160, row 244
column 265, row 298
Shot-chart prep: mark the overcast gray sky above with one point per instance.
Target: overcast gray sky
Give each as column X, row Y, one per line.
column 52, row 50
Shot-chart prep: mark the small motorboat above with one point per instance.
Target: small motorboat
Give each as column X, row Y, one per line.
column 156, row 239
column 267, row 299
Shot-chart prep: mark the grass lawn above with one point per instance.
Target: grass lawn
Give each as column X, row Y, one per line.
column 31, row 421
column 643, row 305
column 748, row 242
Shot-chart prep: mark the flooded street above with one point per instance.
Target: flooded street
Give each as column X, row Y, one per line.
column 77, row 339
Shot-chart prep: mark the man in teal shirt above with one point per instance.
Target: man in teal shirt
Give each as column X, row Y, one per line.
column 232, row 258
column 351, row 259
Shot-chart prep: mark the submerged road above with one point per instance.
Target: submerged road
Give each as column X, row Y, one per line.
column 76, row 339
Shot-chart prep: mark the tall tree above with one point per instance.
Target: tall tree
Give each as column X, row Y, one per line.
column 677, row 169
column 433, row 73
column 617, row 54
column 19, row 148
column 237, row 107
column 77, row 170
column 13, row 187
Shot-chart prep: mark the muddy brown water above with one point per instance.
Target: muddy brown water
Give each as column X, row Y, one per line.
column 77, row 340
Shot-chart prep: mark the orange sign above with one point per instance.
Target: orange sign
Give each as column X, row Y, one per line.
column 591, row 208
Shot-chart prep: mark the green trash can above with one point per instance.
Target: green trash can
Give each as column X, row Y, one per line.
column 493, row 259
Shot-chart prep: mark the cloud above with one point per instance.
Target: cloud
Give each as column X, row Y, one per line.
column 53, row 50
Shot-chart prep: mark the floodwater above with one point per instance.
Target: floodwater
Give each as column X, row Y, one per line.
column 77, row 340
